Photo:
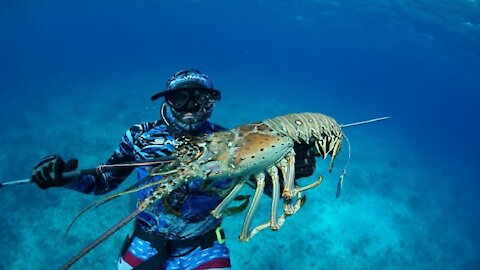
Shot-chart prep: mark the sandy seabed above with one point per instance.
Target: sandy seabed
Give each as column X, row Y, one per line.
column 396, row 211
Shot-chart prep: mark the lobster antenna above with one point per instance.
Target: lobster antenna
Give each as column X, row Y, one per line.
column 340, row 180
column 365, row 122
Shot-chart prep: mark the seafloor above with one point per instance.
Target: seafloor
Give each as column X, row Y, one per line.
column 392, row 214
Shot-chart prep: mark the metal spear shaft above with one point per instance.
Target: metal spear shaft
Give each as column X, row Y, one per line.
column 100, row 168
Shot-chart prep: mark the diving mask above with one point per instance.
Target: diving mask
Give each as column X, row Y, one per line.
column 189, row 99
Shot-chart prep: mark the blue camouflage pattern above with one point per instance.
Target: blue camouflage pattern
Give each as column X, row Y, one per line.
column 186, row 212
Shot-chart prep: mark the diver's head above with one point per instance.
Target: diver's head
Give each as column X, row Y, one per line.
column 189, row 99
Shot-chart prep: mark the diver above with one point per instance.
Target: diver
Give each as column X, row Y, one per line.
column 177, row 232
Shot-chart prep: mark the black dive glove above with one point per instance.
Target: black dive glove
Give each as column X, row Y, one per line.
column 304, row 160
column 48, row 172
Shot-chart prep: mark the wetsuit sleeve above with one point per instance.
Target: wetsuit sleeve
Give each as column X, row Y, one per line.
column 101, row 183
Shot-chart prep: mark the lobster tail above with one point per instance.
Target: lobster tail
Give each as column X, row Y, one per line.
column 320, row 129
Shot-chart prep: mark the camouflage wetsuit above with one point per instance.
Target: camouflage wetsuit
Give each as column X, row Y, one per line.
column 185, row 214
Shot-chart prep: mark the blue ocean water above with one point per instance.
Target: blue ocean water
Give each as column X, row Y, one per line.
column 75, row 75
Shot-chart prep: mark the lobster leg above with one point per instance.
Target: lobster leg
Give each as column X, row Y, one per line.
column 298, row 204
column 287, row 205
column 287, row 167
column 273, row 172
column 217, row 212
column 294, row 209
column 259, row 228
column 307, row 187
column 245, row 235
column 273, row 223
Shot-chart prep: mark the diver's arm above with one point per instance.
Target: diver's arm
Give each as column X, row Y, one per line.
column 102, row 182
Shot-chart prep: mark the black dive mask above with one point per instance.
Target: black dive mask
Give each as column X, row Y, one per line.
column 189, row 99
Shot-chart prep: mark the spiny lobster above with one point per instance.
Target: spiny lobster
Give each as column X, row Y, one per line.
column 261, row 152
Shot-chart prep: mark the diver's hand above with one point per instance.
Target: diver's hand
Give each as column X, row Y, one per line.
column 304, row 160
column 48, row 171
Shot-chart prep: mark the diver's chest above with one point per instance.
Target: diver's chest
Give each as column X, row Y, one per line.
column 154, row 143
